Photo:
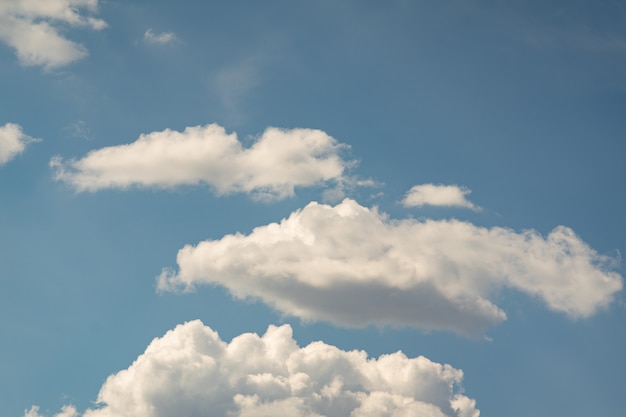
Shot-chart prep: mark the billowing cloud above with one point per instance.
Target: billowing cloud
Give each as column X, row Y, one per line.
column 191, row 372
column 158, row 38
column 32, row 29
column 12, row 142
column 352, row 266
column 270, row 168
column 438, row 195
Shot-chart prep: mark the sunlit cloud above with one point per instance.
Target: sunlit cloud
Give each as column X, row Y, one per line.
column 190, row 371
column 34, row 29
column 353, row 266
column 271, row 168
column 13, row 141
column 438, row 195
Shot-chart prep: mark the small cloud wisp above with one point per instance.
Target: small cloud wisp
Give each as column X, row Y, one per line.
column 438, row 195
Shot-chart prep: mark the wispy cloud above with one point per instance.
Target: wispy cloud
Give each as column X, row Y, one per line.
column 33, row 29
column 162, row 38
column 278, row 162
column 191, row 370
column 79, row 129
column 438, row 195
column 13, row 142
column 66, row 411
column 235, row 82
column 352, row 266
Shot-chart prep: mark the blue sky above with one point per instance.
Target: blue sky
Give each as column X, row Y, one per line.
column 444, row 179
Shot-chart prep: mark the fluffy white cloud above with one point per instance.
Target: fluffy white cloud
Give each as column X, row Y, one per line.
column 191, row 372
column 352, row 266
column 12, row 142
column 159, row 38
column 270, row 168
column 438, row 195
column 31, row 28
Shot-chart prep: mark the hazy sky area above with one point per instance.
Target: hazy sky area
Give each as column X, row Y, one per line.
column 307, row 209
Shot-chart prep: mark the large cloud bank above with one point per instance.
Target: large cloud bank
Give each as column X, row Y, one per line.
column 353, row 266
column 32, row 28
column 12, row 142
column 272, row 167
column 191, row 372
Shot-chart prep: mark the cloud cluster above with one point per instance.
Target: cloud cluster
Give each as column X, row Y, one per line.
column 162, row 38
column 271, row 168
column 12, row 142
column 438, row 195
column 191, row 372
column 32, row 28
column 352, row 266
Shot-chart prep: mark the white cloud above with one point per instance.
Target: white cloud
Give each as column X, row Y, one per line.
column 12, row 142
column 270, row 168
column 191, row 372
column 438, row 195
column 353, row 266
column 31, row 27
column 159, row 38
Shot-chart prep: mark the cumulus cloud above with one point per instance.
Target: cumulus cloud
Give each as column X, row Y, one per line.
column 191, row 372
column 32, row 28
column 438, row 195
column 271, row 168
column 12, row 142
column 159, row 38
column 352, row 266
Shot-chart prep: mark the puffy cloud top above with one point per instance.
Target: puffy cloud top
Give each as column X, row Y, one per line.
column 191, row 372
column 12, row 142
column 271, row 168
column 28, row 26
column 353, row 266
column 438, row 195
